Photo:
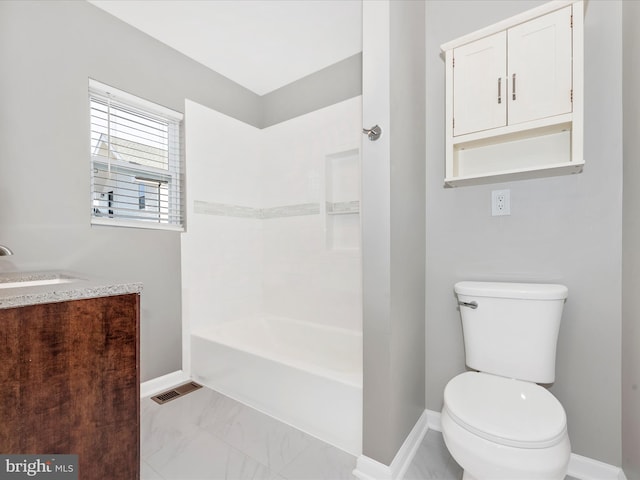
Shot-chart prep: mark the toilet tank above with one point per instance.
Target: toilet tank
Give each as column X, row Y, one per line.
column 513, row 329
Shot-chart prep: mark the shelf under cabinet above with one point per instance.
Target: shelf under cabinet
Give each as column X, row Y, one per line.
column 515, row 152
column 516, row 174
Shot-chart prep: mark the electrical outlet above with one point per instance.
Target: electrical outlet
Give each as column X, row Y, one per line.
column 500, row 202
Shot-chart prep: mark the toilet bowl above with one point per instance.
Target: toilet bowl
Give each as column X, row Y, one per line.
column 497, row 422
column 499, row 428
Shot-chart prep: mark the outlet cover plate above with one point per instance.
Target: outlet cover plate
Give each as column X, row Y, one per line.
column 500, row 202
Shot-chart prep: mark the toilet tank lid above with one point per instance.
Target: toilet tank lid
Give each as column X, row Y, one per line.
column 532, row 291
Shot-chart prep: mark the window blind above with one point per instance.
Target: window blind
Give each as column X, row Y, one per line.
column 136, row 164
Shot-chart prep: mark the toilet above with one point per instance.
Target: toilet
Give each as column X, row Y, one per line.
column 497, row 422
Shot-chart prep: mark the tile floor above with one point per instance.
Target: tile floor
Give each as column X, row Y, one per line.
column 205, row 435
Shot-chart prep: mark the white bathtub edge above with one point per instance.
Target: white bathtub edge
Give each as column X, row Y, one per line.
column 370, row 469
column 320, row 406
column 164, row 382
column 211, row 334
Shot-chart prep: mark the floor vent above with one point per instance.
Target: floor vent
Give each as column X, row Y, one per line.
column 174, row 393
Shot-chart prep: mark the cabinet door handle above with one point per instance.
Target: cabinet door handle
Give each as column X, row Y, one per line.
column 513, row 86
column 499, row 90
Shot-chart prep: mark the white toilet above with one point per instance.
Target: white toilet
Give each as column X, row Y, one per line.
column 497, row 422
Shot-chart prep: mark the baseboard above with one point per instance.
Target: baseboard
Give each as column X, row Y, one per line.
column 585, row 468
column 165, row 382
column 370, row 469
column 582, row 468
column 433, row 420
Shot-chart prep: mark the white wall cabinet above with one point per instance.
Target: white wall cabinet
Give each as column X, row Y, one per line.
column 514, row 97
column 539, row 61
column 480, row 73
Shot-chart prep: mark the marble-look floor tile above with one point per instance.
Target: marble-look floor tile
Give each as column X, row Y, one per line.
column 223, row 412
column 176, row 419
column 205, row 457
column 260, row 436
column 320, row 461
column 148, row 473
column 433, row 461
column 208, row 436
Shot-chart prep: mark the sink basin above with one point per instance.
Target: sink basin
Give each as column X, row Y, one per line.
column 36, row 282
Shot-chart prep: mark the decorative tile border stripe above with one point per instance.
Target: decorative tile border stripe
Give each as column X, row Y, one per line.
column 291, row 210
column 228, row 210
column 337, row 208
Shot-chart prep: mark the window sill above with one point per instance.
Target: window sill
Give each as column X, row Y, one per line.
column 112, row 222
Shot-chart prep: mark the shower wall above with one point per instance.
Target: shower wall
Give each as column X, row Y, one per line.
column 222, row 246
column 307, row 273
column 273, row 218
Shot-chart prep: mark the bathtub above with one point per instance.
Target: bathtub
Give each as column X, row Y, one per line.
column 304, row 374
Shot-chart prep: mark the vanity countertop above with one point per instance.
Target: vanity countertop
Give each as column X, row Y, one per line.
column 19, row 289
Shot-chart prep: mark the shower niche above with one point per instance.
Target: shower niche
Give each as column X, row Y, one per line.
column 342, row 200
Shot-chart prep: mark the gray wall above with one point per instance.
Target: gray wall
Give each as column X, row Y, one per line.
column 48, row 50
column 563, row 229
column 338, row 82
column 630, row 242
column 393, row 230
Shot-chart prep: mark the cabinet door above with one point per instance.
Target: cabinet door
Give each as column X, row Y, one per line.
column 70, row 379
column 479, row 101
column 539, row 63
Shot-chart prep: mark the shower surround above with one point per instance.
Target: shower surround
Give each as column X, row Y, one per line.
column 271, row 266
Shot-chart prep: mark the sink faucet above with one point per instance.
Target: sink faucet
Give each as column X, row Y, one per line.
column 5, row 251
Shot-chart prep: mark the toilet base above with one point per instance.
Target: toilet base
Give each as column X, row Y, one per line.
column 485, row 460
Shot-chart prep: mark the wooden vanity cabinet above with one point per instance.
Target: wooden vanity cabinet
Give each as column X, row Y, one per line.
column 69, row 373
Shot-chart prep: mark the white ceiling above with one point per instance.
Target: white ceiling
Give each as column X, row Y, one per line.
column 260, row 44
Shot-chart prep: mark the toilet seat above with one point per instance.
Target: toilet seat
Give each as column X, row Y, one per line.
column 505, row 411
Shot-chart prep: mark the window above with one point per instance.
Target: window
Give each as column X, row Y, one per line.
column 136, row 166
